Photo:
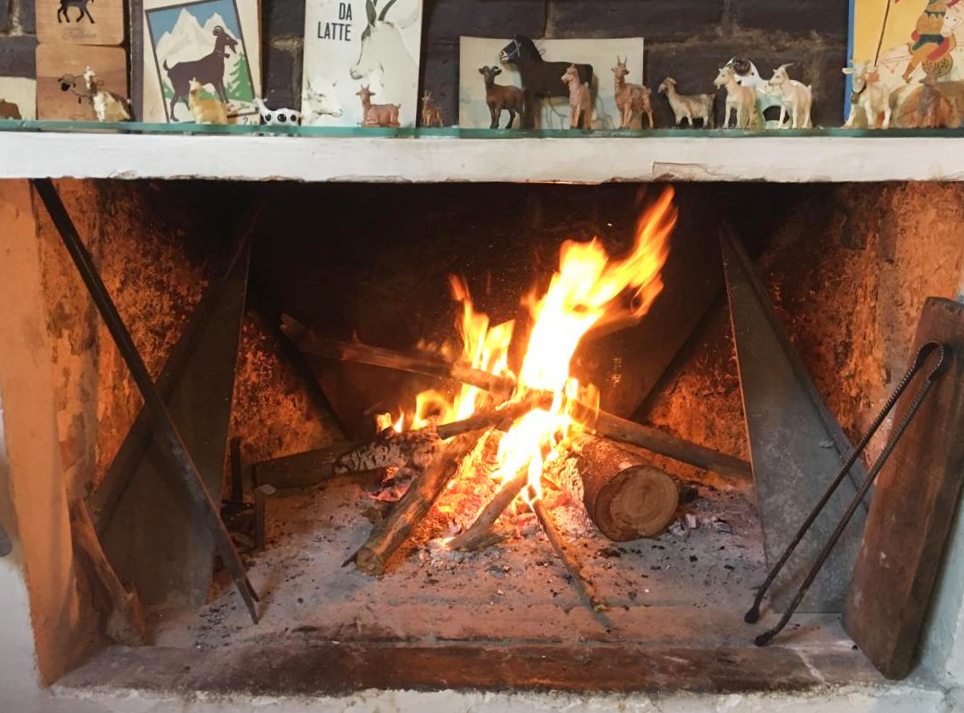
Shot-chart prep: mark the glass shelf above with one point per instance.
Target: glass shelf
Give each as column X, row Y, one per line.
column 136, row 127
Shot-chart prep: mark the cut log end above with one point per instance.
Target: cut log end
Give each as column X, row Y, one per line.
column 369, row 562
column 639, row 502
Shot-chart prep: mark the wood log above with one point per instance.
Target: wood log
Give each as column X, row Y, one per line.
column 424, row 490
column 606, row 424
column 625, row 497
column 912, row 510
column 480, row 534
column 580, row 576
column 125, row 621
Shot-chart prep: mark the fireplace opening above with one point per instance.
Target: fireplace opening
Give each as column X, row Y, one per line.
column 648, row 592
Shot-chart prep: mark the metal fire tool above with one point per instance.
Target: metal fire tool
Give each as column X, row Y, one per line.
column 170, row 438
column 753, row 615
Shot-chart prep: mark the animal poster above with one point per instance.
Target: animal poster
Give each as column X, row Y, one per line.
column 351, row 45
column 476, row 52
column 909, row 39
column 216, row 42
column 18, row 98
column 61, row 89
column 82, row 22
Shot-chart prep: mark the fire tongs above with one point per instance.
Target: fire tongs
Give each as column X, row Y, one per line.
column 753, row 615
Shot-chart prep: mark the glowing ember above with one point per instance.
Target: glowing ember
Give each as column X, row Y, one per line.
column 588, row 290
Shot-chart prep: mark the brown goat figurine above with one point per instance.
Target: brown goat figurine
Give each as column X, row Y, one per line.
column 431, row 112
column 580, row 99
column 385, row 115
column 632, row 100
column 501, row 98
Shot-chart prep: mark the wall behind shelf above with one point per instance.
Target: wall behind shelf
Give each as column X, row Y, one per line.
column 686, row 39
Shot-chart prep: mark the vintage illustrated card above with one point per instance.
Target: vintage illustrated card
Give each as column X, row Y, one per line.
column 83, row 22
column 61, row 88
column 353, row 44
column 476, row 52
column 18, row 98
column 216, row 42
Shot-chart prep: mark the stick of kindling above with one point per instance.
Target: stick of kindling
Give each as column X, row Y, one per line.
column 479, row 534
column 570, row 559
column 607, row 424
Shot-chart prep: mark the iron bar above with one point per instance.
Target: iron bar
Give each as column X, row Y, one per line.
column 170, row 440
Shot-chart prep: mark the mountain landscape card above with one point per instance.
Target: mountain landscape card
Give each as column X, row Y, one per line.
column 350, row 44
column 476, row 52
column 216, row 42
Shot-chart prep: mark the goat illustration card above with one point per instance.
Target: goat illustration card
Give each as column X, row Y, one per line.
column 601, row 54
column 351, row 45
column 216, row 42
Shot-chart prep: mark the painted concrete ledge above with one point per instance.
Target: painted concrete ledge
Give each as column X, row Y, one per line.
column 526, row 160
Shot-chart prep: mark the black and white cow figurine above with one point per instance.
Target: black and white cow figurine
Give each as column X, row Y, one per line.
column 277, row 117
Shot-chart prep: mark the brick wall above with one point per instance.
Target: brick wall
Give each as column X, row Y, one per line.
column 686, row 39
column 18, row 42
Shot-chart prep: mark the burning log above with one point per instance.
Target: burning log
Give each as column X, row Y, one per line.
column 480, row 534
column 425, row 489
column 607, row 424
column 624, row 497
column 580, row 576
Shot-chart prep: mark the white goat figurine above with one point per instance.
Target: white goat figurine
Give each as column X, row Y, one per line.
column 868, row 94
column 740, row 100
column 107, row 105
column 694, row 106
column 796, row 98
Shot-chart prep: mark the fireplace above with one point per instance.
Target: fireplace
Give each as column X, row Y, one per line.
column 262, row 407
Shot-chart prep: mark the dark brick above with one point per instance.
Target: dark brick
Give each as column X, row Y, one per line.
column 284, row 18
column 28, row 15
column 695, row 69
column 281, row 87
column 18, row 56
column 440, row 76
column 652, row 19
column 828, row 18
column 450, row 19
column 5, row 7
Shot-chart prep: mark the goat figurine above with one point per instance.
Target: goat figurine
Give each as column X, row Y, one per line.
column 796, row 98
column 740, row 100
column 277, row 117
column 580, row 99
column 632, row 100
column 204, row 109
column 384, row 115
column 107, row 105
column 694, row 106
column 431, row 112
column 499, row 98
column 868, row 95
column 207, row 70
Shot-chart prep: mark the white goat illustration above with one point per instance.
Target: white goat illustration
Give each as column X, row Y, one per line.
column 384, row 52
column 317, row 100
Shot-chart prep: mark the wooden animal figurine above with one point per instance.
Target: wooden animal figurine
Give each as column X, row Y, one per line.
column 205, row 110
column 929, row 47
column 540, row 79
column 580, row 100
column 277, row 117
column 431, row 112
column 209, row 70
column 740, row 100
column 9, row 110
column 317, row 100
column 691, row 107
column 384, row 115
column 747, row 75
column 632, row 100
column 868, row 96
column 796, row 99
column 107, row 105
column 500, row 97
column 932, row 104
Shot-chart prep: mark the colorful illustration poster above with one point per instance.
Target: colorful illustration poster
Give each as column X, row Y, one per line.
column 216, row 42
column 353, row 44
column 909, row 39
column 476, row 52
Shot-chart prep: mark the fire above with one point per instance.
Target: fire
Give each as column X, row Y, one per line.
column 588, row 290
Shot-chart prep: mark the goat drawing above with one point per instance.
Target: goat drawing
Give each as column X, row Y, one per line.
column 317, row 100
column 384, row 53
column 207, row 70
column 80, row 5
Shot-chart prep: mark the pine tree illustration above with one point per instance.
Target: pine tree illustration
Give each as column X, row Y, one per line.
column 239, row 83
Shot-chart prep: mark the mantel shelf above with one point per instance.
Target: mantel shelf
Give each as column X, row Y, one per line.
column 783, row 157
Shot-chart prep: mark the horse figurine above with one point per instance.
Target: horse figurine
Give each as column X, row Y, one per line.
column 540, row 79
column 929, row 47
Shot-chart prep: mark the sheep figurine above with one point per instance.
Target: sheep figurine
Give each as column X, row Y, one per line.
column 501, row 98
column 277, row 117
column 796, row 98
column 695, row 106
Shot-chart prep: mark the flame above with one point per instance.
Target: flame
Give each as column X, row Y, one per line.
column 589, row 289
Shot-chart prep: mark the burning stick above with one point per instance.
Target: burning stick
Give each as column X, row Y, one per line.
column 479, row 535
column 569, row 558
column 391, row 532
